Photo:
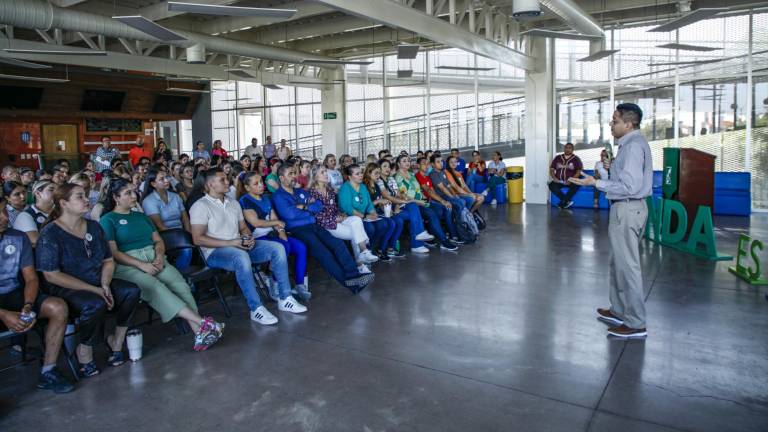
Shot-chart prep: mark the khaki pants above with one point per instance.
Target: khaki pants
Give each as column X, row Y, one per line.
column 167, row 292
column 625, row 228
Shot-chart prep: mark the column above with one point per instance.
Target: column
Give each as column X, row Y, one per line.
column 334, row 100
column 539, row 120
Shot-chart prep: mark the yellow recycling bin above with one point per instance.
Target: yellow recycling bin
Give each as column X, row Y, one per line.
column 515, row 184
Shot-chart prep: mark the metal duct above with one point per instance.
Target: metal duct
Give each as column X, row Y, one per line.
column 40, row 15
column 579, row 20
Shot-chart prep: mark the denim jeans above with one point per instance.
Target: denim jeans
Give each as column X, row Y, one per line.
column 377, row 231
column 446, row 215
column 412, row 214
column 240, row 261
column 298, row 250
column 183, row 259
column 473, row 179
column 330, row 252
column 469, row 201
column 396, row 224
column 433, row 218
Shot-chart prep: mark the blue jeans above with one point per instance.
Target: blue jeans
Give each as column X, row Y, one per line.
column 412, row 214
column 446, row 215
column 458, row 203
column 299, row 252
column 330, row 252
column 378, row 231
column 396, row 228
column 469, row 201
column 183, row 259
column 239, row 261
column 433, row 218
column 472, row 179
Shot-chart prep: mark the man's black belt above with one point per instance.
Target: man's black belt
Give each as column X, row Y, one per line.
column 626, row 200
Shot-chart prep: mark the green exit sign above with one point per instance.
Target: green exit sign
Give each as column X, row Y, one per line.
column 329, row 116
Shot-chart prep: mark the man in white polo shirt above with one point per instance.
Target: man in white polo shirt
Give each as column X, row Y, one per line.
column 219, row 228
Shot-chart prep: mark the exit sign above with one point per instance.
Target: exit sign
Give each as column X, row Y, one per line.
column 329, row 116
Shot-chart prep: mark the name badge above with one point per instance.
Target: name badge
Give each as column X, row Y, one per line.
column 88, row 237
column 331, row 201
column 40, row 219
column 357, row 198
column 123, row 222
column 10, row 249
column 301, row 196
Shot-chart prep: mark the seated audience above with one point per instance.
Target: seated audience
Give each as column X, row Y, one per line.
column 200, row 152
column 335, row 179
column 354, row 200
column 497, row 174
column 461, row 164
column 166, row 210
column 410, row 188
column 21, row 302
column 563, row 167
column 458, row 187
column 35, row 215
column 140, row 254
column 404, row 208
column 76, row 261
column 443, row 187
column 385, row 210
column 338, row 224
column 186, row 181
column 302, row 174
column 272, row 180
column 263, row 221
column 296, row 208
column 218, row 150
column 477, row 172
column 440, row 205
column 16, row 196
column 219, row 228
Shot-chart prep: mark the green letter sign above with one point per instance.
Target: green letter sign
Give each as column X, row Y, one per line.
column 746, row 273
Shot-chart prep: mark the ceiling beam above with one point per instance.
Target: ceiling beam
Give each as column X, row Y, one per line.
column 159, row 11
column 400, row 16
column 304, row 9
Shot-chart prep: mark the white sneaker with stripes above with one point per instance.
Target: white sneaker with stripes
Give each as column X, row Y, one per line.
column 262, row 316
column 289, row 304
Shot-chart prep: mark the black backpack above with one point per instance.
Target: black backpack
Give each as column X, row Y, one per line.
column 462, row 228
column 479, row 220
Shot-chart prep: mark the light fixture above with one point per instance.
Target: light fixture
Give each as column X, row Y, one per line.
column 687, row 19
column 22, row 63
column 55, row 52
column 338, row 62
column 407, row 51
column 417, row 83
column 598, row 55
column 686, row 47
column 405, row 73
column 321, row 83
column 466, row 68
column 29, row 78
column 526, row 9
column 558, row 34
column 273, row 86
column 149, row 27
column 230, row 10
column 679, row 63
column 186, row 90
column 242, row 73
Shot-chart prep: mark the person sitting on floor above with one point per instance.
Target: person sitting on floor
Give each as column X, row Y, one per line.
column 386, row 210
column 335, row 222
column 355, row 200
column 563, row 167
column 76, row 261
column 140, row 254
column 263, row 221
column 409, row 187
column 20, row 297
column 219, row 228
column 298, row 210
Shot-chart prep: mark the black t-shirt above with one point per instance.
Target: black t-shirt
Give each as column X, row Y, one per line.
column 58, row 250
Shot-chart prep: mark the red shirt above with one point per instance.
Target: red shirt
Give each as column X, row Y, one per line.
column 137, row 153
column 480, row 166
column 220, row 152
column 426, row 183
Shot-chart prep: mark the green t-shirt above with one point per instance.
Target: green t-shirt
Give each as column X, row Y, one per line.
column 130, row 231
column 274, row 177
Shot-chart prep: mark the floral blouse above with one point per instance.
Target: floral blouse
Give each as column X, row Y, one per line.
column 326, row 217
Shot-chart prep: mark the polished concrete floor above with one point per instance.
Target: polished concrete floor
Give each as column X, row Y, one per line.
column 498, row 337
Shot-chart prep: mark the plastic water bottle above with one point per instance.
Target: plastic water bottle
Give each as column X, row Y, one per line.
column 397, row 245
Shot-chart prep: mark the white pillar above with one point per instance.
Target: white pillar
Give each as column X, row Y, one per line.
column 539, row 120
column 334, row 100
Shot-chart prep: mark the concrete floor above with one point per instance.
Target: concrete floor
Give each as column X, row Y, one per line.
column 500, row 337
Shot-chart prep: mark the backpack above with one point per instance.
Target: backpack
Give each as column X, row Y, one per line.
column 479, row 220
column 463, row 229
column 466, row 217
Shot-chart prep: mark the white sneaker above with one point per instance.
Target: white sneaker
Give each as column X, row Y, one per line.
column 262, row 316
column 420, row 250
column 485, row 193
column 493, row 201
column 425, row 236
column 289, row 304
column 363, row 269
column 368, row 257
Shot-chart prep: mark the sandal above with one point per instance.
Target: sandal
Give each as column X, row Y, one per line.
column 88, row 370
column 116, row 358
